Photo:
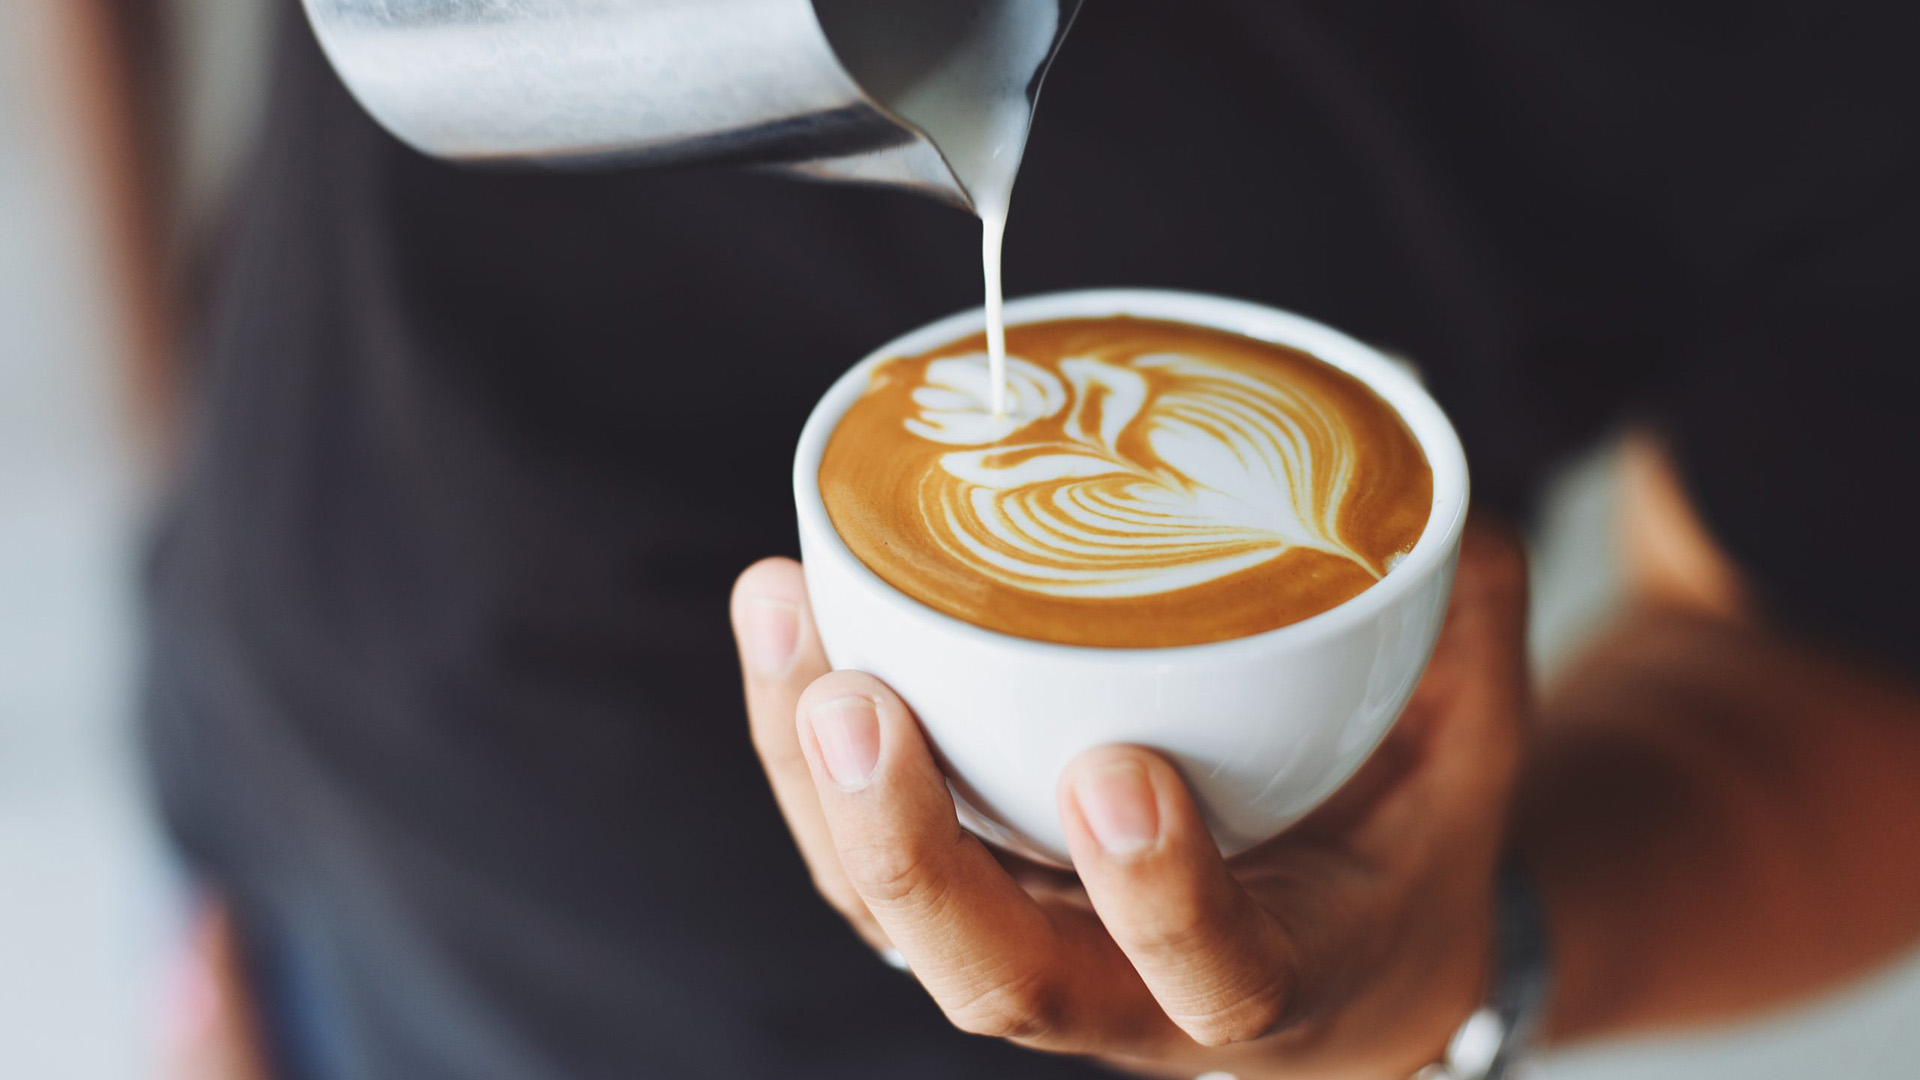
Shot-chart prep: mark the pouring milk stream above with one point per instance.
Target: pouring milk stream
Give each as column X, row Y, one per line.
column 971, row 89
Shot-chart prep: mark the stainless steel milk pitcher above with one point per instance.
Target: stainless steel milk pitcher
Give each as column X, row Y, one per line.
column 888, row 92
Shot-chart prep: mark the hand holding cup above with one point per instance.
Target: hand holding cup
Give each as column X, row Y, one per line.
column 1351, row 946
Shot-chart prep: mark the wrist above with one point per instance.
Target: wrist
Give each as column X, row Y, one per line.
column 1506, row 1028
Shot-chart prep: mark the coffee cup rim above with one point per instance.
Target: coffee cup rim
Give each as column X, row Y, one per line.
column 1393, row 380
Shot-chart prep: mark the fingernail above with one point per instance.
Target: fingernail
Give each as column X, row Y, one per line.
column 769, row 631
column 847, row 731
column 1119, row 806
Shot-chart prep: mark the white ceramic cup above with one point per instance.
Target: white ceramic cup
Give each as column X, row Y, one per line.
column 1263, row 728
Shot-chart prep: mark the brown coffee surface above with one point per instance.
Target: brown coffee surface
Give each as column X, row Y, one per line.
column 1151, row 484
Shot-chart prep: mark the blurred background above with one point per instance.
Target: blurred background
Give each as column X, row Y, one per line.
column 94, row 920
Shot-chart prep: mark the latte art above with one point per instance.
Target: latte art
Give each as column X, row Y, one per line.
column 1147, row 484
column 1171, row 472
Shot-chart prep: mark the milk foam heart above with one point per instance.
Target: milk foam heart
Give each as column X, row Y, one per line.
column 1146, row 484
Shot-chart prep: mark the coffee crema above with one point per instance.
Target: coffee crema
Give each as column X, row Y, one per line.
column 1149, row 484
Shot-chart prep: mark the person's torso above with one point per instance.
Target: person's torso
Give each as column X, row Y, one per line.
column 440, row 608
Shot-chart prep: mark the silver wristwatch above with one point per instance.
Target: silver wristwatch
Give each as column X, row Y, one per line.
column 1500, row 1034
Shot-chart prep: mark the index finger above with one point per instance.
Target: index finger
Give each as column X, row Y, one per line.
column 780, row 655
column 993, row 958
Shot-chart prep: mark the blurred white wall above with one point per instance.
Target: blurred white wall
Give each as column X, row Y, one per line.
column 84, row 898
column 88, row 908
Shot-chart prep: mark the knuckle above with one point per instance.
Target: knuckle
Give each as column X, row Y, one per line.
column 890, row 874
column 1240, row 1019
column 1218, row 998
column 1027, row 1009
column 1183, row 925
